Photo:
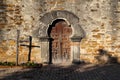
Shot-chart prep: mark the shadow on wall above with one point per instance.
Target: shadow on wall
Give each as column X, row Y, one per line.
column 104, row 57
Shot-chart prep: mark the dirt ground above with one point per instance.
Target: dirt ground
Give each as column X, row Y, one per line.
column 62, row 72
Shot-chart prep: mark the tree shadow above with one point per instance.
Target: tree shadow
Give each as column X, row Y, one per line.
column 71, row 72
column 104, row 57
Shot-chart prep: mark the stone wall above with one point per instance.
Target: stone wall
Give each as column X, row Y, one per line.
column 101, row 22
column 98, row 18
column 18, row 15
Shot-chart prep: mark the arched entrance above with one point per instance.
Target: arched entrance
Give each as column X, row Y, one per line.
column 49, row 24
column 60, row 42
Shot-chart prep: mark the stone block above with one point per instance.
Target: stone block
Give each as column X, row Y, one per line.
column 12, row 42
column 2, row 26
column 95, row 30
column 89, row 50
column 101, row 47
column 52, row 2
column 97, row 36
column 1, row 51
column 83, row 46
column 93, row 42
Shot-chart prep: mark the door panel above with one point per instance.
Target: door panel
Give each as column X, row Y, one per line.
column 61, row 43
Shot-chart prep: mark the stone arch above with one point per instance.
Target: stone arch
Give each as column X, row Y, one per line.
column 77, row 33
column 53, row 24
column 71, row 18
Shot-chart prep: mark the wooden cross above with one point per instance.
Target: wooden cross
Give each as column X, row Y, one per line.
column 30, row 47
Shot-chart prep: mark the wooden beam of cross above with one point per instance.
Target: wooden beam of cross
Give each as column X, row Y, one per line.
column 17, row 46
column 30, row 47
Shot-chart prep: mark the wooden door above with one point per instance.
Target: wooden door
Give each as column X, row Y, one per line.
column 60, row 34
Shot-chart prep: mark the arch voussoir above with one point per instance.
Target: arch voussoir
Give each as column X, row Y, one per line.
column 49, row 17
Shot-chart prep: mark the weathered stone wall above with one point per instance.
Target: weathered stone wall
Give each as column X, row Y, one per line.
column 18, row 15
column 98, row 18
column 101, row 23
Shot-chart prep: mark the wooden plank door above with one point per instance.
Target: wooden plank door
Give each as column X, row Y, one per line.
column 61, row 43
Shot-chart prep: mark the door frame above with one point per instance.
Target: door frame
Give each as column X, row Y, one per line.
column 77, row 34
column 51, row 41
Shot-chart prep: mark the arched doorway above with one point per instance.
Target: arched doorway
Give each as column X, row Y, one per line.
column 44, row 34
column 59, row 33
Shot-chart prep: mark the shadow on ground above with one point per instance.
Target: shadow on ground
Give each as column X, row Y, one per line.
column 71, row 72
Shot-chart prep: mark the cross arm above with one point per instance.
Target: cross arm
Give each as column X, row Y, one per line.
column 35, row 46
column 24, row 45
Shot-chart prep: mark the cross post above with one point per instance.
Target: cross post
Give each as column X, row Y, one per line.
column 30, row 47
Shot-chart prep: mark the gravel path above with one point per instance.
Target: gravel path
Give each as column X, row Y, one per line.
column 67, row 72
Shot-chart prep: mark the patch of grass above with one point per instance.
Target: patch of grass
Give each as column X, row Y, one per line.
column 28, row 64
column 31, row 64
column 7, row 63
